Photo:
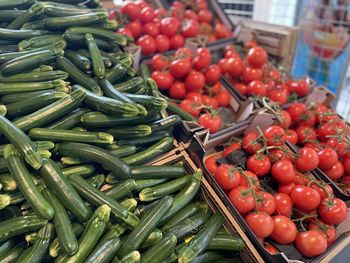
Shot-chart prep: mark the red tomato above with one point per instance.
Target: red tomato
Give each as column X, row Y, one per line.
column 131, row 10
column 223, row 98
column 326, row 130
column 256, row 87
column 307, row 118
column 159, row 62
column 135, row 28
column 328, row 231
column 305, row 197
column 151, row 29
column 195, row 81
column 286, row 119
column 202, row 4
column 163, row 79
column 213, row 123
column 250, row 144
column 266, row 202
column 271, row 249
column 328, row 157
column 202, row 59
column 190, row 14
column 205, row 16
column 346, row 165
column 279, row 96
column 184, row 52
column 303, row 88
column 333, row 211
column 277, row 154
column 125, row 32
column 211, row 165
column 307, row 160
column 234, row 66
column 231, row 148
column 177, row 12
column 336, row 171
column 162, row 43
column 275, row 136
column 241, row 88
column 195, row 96
column 284, row 204
column 147, row 14
column 190, row 28
column 192, row 107
column 169, row 26
column 224, row 66
column 285, row 188
column 180, row 67
column 283, row 172
column 142, row 4
column 256, row 57
column 177, row 42
column 160, row 13
column 147, row 44
column 212, row 74
column 215, row 89
column 221, row 31
column 259, row 164
column 177, row 90
column 227, row 177
column 305, row 134
column 274, row 74
column 339, row 145
column 242, row 199
column 250, row 74
column 295, row 110
column 209, row 101
column 301, row 179
column 249, row 179
column 284, row 231
column 260, row 223
column 292, row 136
column 311, row 243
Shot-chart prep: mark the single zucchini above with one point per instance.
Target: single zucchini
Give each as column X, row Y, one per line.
column 106, row 61
column 138, row 131
column 82, row 170
column 10, row 34
column 74, row 20
column 10, row 15
column 160, row 251
column 83, row 63
column 132, row 257
column 123, row 151
column 144, row 183
column 38, row 42
column 20, row 87
column 96, row 58
column 208, row 257
column 35, row 76
column 153, row 137
column 78, row 41
column 148, row 101
column 225, row 242
column 13, row 254
column 30, row 14
column 105, row 252
column 157, row 172
column 8, row 182
column 121, row 190
column 118, row 72
column 152, row 239
column 69, row 121
column 129, row 204
column 129, row 86
column 97, row 180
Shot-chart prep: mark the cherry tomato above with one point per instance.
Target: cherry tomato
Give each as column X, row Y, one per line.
column 169, row 26
column 135, row 28
column 259, row 164
column 147, row 14
column 260, row 223
column 307, row 118
column 277, row 155
column 257, row 88
column 151, row 29
column 301, row 179
column 195, row 96
column 242, row 199
column 224, row 66
column 292, row 136
column 250, row 144
column 162, row 43
column 209, row 101
column 328, row 231
column 212, row 74
column 160, row 13
column 322, row 190
column 283, row 172
column 215, row 89
column 180, row 67
column 328, row 157
column 231, row 148
column 275, row 136
column 303, row 88
column 147, row 44
column 190, row 28
column 211, row 165
column 202, row 59
column 241, row 88
column 346, row 165
column 184, row 52
column 208, row 121
column 221, row 31
column 223, row 98
column 250, row 74
column 266, row 203
column 131, row 10
column 195, row 81
column 256, row 57
column 286, row 119
column 234, row 66
column 177, row 12
column 285, row 188
column 177, row 42
column 336, row 171
column 159, row 62
column 192, row 107
column 190, row 14
column 284, row 231
column 333, row 211
column 274, row 74
column 338, row 144
column 125, row 32
column 284, row 204
column 249, row 179
column 278, row 95
column 205, row 16
column 142, row 4
column 305, row 197
column 307, row 160
column 177, row 90
column 295, row 110
column 305, row 134
column 227, row 177
column 163, row 79
column 202, row 4
column 325, row 130
column 311, row 243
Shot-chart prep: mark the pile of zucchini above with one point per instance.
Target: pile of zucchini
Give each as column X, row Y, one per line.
column 78, row 127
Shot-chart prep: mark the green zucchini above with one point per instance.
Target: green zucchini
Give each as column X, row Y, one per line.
column 20, row 87
column 55, row 9
column 106, row 61
column 77, row 75
column 82, row 170
column 122, row 189
column 38, row 42
column 68, row 121
column 118, row 72
column 143, row 209
column 8, row 182
column 144, row 183
column 51, row 112
column 153, row 137
column 4, row 57
column 208, row 257
column 96, row 154
column 77, row 40
column 96, row 58
column 148, row 101
column 35, row 76
column 165, row 123
column 60, row 185
column 7, row 246
column 151, row 152
column 202, row 239
column 37, row 252
column 139, row 234
column 156, row 192
column 25, row 183
column 59, row 135
column 138, row 131
column 92, row 233
column 129, row 86
column 30, row 14
column 5, row 200
column 157, row 172
column 19, row 34
column 160, row 251
column 152, row 239
column 75, row 20
column 27, row 62
column 123, row 151
column 10, row 15
column 226, row 242
column 10, row 212
column 96, row 197
column 17, row 198
column 132, row 257
column 83, row 63
column 13, row 254
column 20, row 225
column 104, row 253
column 3, row 166
column 97, row 180
column 129, row 204
column 174, row 109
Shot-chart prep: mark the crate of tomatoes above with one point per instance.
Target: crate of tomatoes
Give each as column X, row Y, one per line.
column 273, row 191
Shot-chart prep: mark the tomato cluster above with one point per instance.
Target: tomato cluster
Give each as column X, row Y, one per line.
column 159, row 30
column 300, row 209
column 189, row 76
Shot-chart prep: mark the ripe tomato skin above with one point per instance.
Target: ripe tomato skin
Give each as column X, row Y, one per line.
column 231, row 148
column 202, row 59
column 275, row 136
column 211, row 165
column 190, row 14
column 292, row 136
column 250, row 74
column 303, row 88
column 190, row 28
column 209, row 101
column 259, row 164
column 305, row 134
column 132, row 10
column 284, row 231
column 162, row 43
column 221, row 31
column 213, row 123
column 283, row 172
column 328, row 231
column 285, row 188
column 194, row 81
column 278, row 95
column 169, row 26
column 164, row 80
column 249, row 144
column 212, row 74
column 177, row 41
column 227, row 177
column 328, row 157
column 276, row 155
column 242, row 199
column 295, row 110
column 148, row 44
column 125, row 32
column 223, row 98
column 346, row 165
column 260, row 223
column 339, row 145
column 267, row 203
column 305, row 197
column 271, row 249
column 135, row 28
column 205, row 16
column 195, row 96
column 223, row 64
column 307, row 118
column 307, row 160
column 253, row 179
column 159, row 62
column 191, row 107
column 177, row 90
column 284, row 204
column 332, row 212
column 241, row 88
column 257, row 88
column 311, row 243
column 322, row 191
column 336, row 171
column 285, row 118
column 235, row 66
column 256, row 57
column 184, row 52
column 146, row 15
column 180, row 67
